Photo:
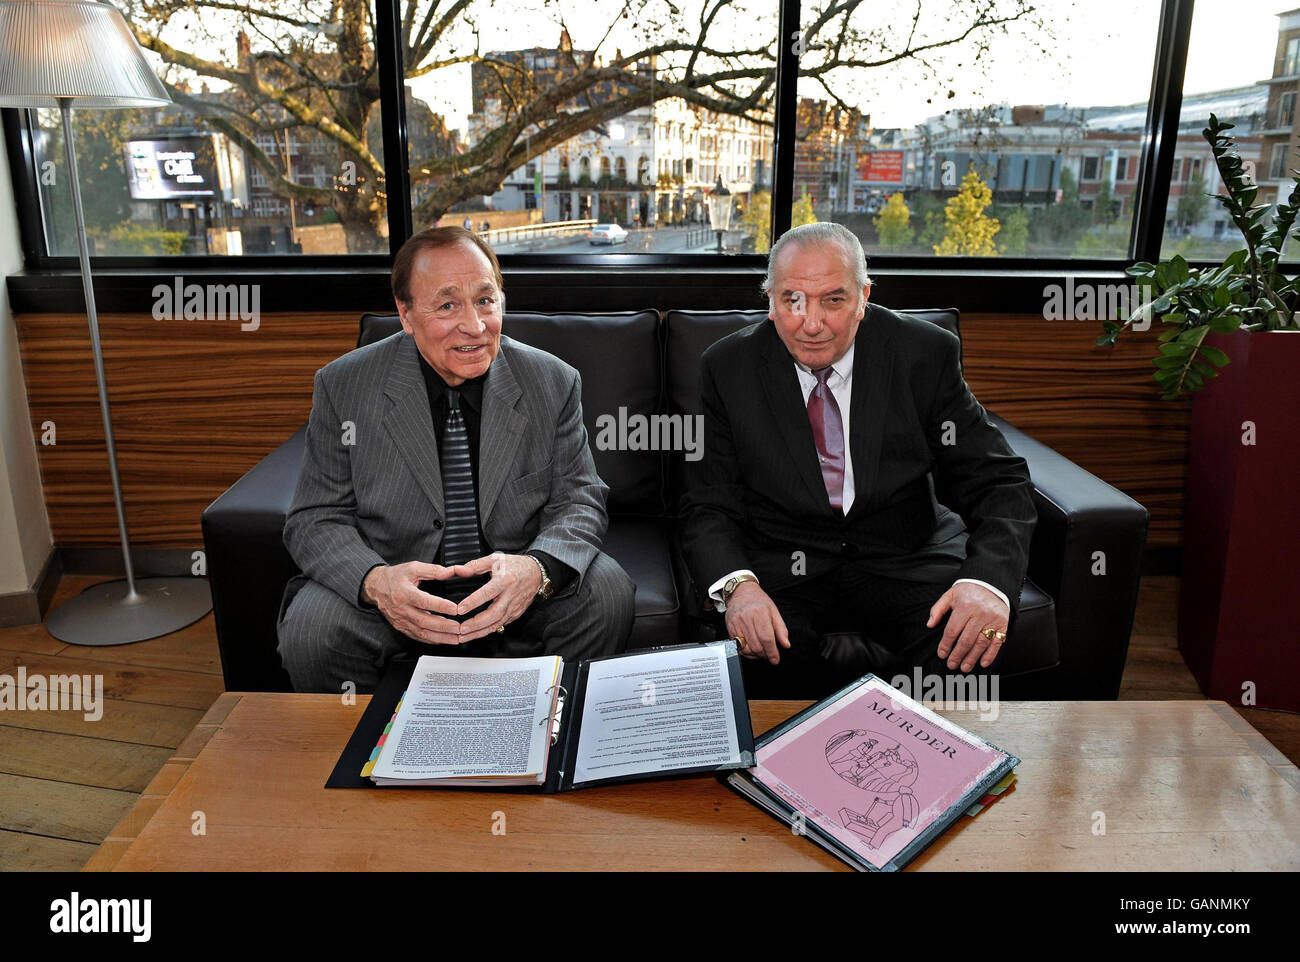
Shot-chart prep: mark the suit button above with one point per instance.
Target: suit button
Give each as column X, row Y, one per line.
column 437, row 523
column 848, row 550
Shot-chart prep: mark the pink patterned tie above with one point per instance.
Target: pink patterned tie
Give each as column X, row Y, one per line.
column 828, row 432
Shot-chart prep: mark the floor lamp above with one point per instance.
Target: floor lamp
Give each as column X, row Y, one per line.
column 66, row 53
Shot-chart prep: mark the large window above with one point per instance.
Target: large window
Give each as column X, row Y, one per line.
column 932, row 128
column 273, row 144
column 1249, row 89
column 568, row 114
column 1291, row 57
column 986, row 129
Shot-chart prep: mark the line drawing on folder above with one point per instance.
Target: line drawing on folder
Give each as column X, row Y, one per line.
column 884, row 769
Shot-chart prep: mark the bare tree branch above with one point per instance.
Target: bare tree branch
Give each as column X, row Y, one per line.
column 279, row 185
column 294, row 83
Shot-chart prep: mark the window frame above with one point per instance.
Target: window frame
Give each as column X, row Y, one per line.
column 940, row 278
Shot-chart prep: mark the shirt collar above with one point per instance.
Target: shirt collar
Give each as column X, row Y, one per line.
column 843, row 367
column 471, row 391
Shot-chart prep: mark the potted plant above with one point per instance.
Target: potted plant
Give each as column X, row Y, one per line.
column 1228, row 343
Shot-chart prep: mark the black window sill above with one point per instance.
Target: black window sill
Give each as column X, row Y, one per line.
column 596, row 282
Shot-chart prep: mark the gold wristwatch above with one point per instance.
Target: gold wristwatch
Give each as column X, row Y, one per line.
column 544, row 592
column 732, row 584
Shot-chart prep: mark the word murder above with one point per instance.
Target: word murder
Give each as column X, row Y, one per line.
column 208, row 302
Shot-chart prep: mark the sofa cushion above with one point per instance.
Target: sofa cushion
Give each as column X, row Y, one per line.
column 248, row 567
column 641, row 547
column 617, row 354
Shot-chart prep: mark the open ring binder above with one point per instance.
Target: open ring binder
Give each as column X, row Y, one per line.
column 559, row 712
column 575, row 688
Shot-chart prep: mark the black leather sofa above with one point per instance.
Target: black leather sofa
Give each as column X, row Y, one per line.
column 1071, row 627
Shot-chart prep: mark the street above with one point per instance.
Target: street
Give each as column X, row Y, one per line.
column 693, row 239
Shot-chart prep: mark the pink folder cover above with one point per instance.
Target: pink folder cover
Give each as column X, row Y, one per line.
column 875, row 769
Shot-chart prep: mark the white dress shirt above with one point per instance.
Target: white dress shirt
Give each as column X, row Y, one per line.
column 840, row 383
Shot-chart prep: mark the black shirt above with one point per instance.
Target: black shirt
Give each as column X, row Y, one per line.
column 471, row 410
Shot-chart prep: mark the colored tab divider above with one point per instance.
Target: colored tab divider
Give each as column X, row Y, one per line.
column 992, row 795
column 369, row 766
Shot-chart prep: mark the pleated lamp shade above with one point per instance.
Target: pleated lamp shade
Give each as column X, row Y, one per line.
column 50, row 49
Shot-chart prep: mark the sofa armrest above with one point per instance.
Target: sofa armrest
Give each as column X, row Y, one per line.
column 1087, row 555
column 248, row 567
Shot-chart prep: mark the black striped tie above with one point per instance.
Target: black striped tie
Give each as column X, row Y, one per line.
column 460, row 541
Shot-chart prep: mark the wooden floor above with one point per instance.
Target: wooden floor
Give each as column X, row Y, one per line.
column 65, row 782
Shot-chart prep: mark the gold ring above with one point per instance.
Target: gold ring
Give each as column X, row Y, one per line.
column 741, row 638
column 992, row 634
column 500, row 628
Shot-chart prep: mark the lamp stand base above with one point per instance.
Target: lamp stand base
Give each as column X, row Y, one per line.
column 104, row 615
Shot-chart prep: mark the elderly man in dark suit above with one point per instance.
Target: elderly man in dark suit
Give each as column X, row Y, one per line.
column 443, row 453
column 813, row 508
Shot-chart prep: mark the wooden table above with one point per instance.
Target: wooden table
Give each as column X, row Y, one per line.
column 1182, row 785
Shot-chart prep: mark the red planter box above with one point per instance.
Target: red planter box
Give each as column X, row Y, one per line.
column 1239, row 605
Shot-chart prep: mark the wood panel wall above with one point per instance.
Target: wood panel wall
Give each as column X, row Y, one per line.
column 195, row 404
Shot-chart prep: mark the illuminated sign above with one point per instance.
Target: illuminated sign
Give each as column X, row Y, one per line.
column 164, row 169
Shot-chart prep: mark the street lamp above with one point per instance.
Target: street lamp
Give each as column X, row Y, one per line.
column 720, row 210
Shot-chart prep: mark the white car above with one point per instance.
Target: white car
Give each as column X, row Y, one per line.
column 607, row 234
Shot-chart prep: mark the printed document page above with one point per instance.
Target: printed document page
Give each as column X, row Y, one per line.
column 472, row 718
column 657, row 712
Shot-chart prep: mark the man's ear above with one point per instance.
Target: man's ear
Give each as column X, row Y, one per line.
column 866, row 296
column 402, row 311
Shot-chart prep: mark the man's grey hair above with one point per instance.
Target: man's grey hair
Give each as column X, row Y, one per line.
column 820, row 233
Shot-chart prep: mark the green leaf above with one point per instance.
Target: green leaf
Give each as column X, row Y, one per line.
column 1214, row 355
column 1237, row 259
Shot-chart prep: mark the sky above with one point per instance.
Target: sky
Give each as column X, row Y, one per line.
column 1103, row 54
column 1101, row 51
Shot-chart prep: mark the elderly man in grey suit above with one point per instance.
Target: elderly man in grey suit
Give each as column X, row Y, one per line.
column 443, row 453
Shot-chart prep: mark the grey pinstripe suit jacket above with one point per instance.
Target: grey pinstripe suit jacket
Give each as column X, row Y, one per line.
column 370, row 489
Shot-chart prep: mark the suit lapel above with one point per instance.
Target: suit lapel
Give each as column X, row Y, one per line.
column 787, row 410
column 873, row 370
column 501, row 431
column 408, row 421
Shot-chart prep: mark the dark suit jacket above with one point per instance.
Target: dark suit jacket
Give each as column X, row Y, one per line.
column 757, row 495
column 370, row 489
